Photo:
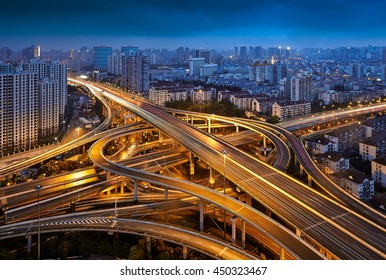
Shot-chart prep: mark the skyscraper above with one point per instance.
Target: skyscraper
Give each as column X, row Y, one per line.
column 356, row 70
column 101, row 58
column 135, row 72
column 5, row 54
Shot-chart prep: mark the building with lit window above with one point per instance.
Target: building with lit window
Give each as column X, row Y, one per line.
column 101, row 58
column 19, row 112
column 378, row 170
column 135, row 72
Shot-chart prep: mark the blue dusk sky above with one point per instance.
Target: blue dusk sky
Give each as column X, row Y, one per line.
column 193, row 23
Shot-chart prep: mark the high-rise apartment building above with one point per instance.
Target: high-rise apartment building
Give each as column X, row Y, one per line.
column 5, row 54
column 383, row 72
column 135, row 72
column 115, row 63
column 52, row 90
column 101, row 58
column 19, row 111
column 301, row 88
column 356, row 70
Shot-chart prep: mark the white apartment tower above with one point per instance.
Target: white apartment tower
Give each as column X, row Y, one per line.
column 301, row 88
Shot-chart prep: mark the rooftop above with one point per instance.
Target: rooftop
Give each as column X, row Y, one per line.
column 351, row 174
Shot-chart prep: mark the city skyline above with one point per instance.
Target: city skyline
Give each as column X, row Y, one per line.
column 199, row 24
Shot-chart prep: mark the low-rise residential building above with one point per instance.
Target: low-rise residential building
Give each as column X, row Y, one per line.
column 332, row 162
column 378, row 170
column 354, row 182
column 347, row 137
column 320, row 145
column 290, row 109
column 374, row 147
column 375, row 125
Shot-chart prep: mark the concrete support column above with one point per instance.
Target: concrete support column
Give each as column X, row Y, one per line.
column 309, row 179
column 135, row 183
column 192, row 120
column 160, row 139
column 301, row 171
column 122, row 187
column 201, row 215
column 191, row 166
column 248, row 200
column 298, row 232
column 234, row 220
column 148, row 245
column 282, row 253
column 265, row 145
column 268, row 212
column 108, row 175
column 243, row 234
column 211, row 177
column 209, row 123
column 237, row 129
column 166, row 193
column 184, row 252
column 72, row 207
column 29, row 242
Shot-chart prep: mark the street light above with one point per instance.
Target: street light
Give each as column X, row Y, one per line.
column 224, row 153
column 78, row 128
column 38, row 188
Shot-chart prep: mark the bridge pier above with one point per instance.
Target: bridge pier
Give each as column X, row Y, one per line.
column 248, row 200
column 237, row 128
column 234, row 220
column 29, row 243
column 160, row 139
column 243, row 234
column 184, row 252
column 201, row 215
column 135, row 183
column 107, row 174
column 166, row 193
column 191, row 166
column 298, row 232
column 301, row 171
column 122, row 187
column 212, row 180
column 282, row 253
column 268, row 212
column 265, row 145
column 72, row 207
column 148, row 245
column 309, row 179
column 209, row 125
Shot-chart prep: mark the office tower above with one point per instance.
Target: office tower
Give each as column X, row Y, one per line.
column 86, row 56
column 19, row 112
column 194, row 66
column 206, row 54
column 74, row 60
column 383, row 72
column 31, row 52
column 186, row 55
column 384, row 55
column 135, row 72
column 180, row 55
column 243, row 53
column 301, row 88
column 5, row 54
column 52, row 92
column 236, row 51
column 101, row 58
column 356, row 70
column 287, row 52
column 129, row 50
